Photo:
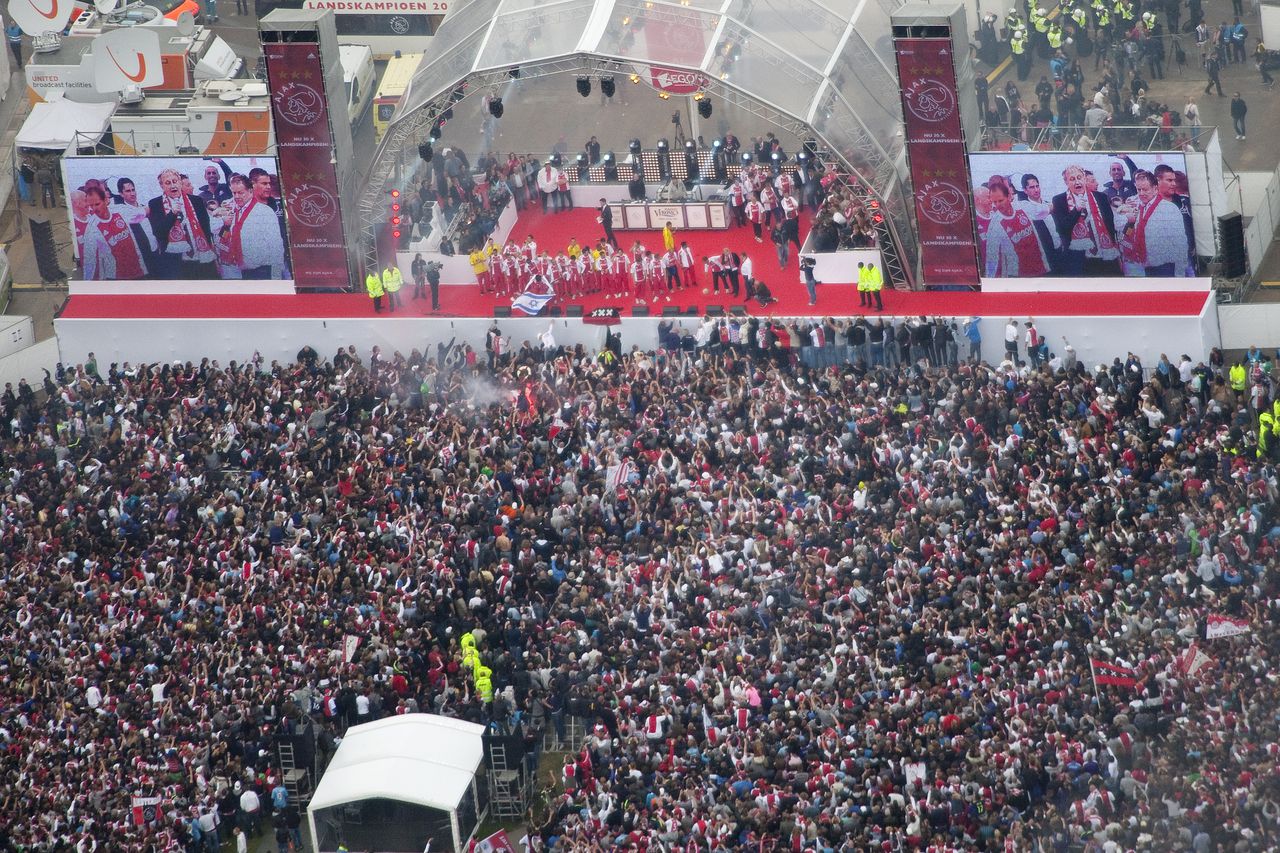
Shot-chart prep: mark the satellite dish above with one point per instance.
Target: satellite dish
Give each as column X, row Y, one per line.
column 186, row 22
column 105, row 7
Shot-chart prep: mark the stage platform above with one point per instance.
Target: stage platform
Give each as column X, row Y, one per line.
column 165, row 328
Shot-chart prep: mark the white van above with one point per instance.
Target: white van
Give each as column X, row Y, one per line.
column 359, row 77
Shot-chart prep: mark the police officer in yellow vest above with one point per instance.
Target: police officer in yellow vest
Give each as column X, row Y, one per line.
column 1055, row 36
column 1238, row 377
column 373, row 285
column 1266, row 433
column 864, row 290
column 391, row 283
column 484, row 684
column 875, row 283
column 1018, row 45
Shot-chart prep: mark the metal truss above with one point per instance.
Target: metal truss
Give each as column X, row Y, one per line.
column 878, row 182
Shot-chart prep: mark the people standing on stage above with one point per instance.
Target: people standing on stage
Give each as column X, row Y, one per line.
column 606, row 221
column 418, row 270
column 391, row 283
column 548, row 186
column 687, row 262
column 373, row 286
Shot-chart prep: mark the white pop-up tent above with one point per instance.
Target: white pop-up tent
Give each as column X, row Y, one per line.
column 399, row 782
column 54, row 125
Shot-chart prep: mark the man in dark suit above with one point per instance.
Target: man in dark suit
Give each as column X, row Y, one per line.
column 606, row 220
column 1086, row 228
column 184, row 240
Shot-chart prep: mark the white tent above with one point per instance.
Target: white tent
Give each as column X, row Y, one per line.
column 54, row 124
column 422, row 759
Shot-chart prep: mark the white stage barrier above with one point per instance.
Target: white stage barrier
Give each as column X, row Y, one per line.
column 1096, row 339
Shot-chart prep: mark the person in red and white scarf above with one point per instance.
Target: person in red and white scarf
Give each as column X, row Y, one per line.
column 1086, row 227
column 183, row 234
column 252, row 236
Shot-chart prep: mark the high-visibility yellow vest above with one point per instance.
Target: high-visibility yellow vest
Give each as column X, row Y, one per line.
column 1238, row 377
column 391, row 279
column 862, row 279
column 1016, row 45
column 875, row 279
column 373, row 284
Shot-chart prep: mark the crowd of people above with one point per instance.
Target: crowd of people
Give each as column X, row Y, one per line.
column 800, row 601
column 1130, row 42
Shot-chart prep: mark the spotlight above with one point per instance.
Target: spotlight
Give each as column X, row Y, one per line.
column 704, row 109
column 437, row 130
column 664, row 160
column 582, row 167
column 555, row 159
column 803, row 156
column 662, row 146
column 634, row 147
column 424, row 151
column 666, row 96
column 584, row 87
column 689, row 145
column 495, row 107
column 699, row 96
column 610, row 167
column 635, row 78
column 515, row 73
column 607, row 86
column 746, row 158
column 717, row 143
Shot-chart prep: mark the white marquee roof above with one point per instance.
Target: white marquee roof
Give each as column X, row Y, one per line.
column 415, row 758
column 828, row 63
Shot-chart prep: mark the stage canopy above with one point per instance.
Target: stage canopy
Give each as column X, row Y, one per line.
column 422, row 759
column 53, row 125
column 825, row 64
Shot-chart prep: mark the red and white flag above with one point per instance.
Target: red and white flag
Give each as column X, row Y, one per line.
column 1192, row 661
column 145, row 810
column 743, row 718
column 617, row 475
column 1217, row 626
column 709, row 726
column 1112, row 674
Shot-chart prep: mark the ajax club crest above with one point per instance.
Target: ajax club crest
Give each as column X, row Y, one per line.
column 299, row 104
column 941, row 202
column 312, row 206
column 930, row 101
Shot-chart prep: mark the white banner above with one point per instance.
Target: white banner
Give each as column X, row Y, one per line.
column 379, row 7
column 1224, row 626
column 350, row 643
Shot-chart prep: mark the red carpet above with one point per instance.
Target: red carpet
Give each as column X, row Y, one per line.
column 839, row 300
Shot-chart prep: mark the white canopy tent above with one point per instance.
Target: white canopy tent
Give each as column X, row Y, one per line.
column 54, row 125
column 422, row 759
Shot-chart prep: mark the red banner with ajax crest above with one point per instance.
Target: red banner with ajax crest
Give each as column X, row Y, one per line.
column 308, row 177
column 939, row 162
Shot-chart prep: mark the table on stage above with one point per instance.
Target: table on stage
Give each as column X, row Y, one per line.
column 688, row 215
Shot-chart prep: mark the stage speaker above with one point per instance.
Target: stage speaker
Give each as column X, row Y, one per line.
column 46, row 248
column 670, row 310
column 1231, row 245
column 573, row 311
column 738, row 310
column 640, row 311
column 715, row 310
column 501, row 311
column 556, row 312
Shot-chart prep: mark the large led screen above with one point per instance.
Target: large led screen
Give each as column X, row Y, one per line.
column 1082, row 214
column 177, row 218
